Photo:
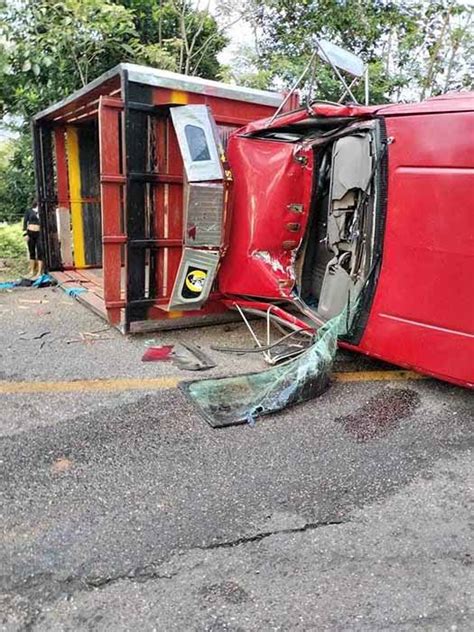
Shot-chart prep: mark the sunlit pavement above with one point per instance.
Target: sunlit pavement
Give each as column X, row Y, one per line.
column 122, row 509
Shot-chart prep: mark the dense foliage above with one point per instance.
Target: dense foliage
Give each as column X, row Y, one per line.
column 48, row 48
column 17, row 181
column 13, row 252
column 414, row 48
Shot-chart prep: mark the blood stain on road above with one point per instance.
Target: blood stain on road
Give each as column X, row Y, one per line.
column 380, row 414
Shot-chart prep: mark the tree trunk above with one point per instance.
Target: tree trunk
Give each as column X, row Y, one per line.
column 430, row 74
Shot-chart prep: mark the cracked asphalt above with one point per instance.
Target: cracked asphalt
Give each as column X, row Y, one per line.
column 125, row 510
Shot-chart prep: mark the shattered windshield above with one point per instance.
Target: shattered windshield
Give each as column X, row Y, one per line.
column 242, row 398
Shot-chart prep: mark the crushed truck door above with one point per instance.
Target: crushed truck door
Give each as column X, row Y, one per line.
column 204, row 203
column 271, row 200
column 306, row 220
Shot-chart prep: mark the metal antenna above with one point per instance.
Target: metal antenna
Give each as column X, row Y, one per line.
column 312, row 82
column 293, row 88
column 366, row 85
column 336, row 70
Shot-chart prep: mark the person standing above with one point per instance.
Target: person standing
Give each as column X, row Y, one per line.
column 32, row 234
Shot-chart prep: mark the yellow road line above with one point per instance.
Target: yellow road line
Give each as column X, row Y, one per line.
column 113, row 384
column 376, row 376
column 163, row 383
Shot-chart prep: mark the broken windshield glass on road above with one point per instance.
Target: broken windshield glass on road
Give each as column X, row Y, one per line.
column 242, row 398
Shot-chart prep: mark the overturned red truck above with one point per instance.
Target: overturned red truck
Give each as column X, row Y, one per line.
column 155, row 199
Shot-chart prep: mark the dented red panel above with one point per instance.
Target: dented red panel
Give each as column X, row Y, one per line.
column 343, row 111
column 322, row 109
column 289, row 118
column 272, row 192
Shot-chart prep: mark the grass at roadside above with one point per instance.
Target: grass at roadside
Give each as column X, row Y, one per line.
column 13, row 253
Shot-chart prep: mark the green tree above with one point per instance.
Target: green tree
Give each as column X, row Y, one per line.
column 49, row 48
column 413, row 48
column 16, row 177
column 180, row 35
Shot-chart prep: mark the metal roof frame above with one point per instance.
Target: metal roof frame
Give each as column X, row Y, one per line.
column 170, row 80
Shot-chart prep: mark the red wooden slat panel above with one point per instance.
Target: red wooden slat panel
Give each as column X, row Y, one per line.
column 111, row 193
column 62, row 187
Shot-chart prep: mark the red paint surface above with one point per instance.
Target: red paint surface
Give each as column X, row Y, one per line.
column 224, row 111
column 111, row 200
column 317, row 110
column 423, row 312
column 450, row 102
column 267, row 180
column 158, row 354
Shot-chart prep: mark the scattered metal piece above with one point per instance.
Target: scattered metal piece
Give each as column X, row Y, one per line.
column 199, row 361
column 88, row 337
column 281, row 352
column 259, row 349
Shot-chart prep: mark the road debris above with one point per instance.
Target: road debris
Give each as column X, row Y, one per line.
column 74, row 291
column 238, row 399
column 185, row 356
column 35, row 301
column 158, row 354
column 38, row 337
column 41, row 282
column 193, row 358
column 63, row 464
column 89, row 337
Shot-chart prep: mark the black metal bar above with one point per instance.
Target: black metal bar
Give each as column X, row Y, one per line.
column 46, row 192
column 155, row 243
column 142, row 302
column 148, row 108
column 44, row 235
column 155, row 178
column 90, row 193
column 136, row 147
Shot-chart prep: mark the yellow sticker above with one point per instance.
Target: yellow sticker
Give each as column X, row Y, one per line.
column 195, row 280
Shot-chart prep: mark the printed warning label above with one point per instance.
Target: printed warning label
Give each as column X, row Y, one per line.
column 194, row 282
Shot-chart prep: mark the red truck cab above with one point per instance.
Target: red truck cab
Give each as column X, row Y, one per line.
column 373, row 204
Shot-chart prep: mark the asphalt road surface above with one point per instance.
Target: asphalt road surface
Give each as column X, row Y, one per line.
column 123, row 510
